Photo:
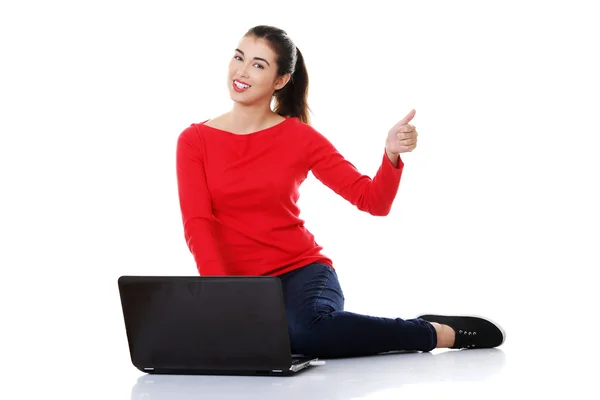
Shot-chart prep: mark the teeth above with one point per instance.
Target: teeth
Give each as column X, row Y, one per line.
column 240, row 85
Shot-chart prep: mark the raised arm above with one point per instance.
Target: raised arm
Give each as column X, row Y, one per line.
column 373, row 195
column 195, row 203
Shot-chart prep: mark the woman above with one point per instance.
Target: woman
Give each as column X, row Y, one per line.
column 238, row 178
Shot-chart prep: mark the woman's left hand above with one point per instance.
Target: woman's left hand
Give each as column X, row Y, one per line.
column 402, row 138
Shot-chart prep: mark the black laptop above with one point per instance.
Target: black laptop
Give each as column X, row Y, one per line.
column 231, row 325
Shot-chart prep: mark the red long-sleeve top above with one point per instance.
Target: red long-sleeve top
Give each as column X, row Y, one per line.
column 238, row 195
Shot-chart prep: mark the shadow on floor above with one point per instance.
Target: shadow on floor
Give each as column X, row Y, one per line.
column 337, row 379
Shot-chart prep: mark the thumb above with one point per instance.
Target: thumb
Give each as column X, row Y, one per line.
column 406, row 119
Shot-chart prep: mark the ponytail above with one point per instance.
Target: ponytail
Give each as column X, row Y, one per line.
column 292, row 99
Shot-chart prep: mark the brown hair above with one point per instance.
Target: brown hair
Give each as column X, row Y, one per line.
column 292, row 99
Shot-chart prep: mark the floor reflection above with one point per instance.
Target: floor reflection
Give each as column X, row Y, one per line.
column 337, row 379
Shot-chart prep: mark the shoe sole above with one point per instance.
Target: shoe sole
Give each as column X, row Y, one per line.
column 473, row 316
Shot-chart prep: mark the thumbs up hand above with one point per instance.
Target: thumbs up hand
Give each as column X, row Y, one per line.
column 402, row 137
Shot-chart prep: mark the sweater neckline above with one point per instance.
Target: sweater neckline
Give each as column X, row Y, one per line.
column 261, row 131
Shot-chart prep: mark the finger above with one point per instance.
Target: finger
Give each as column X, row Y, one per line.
column 411, row 139
column 407, row 142
column 406, row 119
column 407, row 128
column 402, row 136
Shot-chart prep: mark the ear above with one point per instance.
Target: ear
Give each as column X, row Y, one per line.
column 282, row 81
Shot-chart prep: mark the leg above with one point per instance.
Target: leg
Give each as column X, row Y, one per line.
column 319, row 326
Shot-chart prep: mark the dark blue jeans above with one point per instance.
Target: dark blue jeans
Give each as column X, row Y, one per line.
column 319, row 326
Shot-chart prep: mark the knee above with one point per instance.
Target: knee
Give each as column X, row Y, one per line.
column 306, row 337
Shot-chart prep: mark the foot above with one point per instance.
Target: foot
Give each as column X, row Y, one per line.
column 470, row 332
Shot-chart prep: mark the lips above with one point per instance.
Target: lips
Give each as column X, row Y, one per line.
column 238, row 89
column 242, row 82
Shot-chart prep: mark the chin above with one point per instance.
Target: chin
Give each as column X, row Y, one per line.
column 237, row 99
column 240, row 97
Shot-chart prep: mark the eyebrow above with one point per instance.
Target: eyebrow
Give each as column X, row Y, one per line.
column 256, row 58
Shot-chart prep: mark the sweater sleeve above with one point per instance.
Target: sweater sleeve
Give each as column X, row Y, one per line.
column 195, row 204
column 374, row 196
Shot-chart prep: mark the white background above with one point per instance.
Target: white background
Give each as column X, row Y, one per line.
column 497, row 212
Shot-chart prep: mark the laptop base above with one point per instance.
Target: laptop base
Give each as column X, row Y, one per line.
column 275, row 372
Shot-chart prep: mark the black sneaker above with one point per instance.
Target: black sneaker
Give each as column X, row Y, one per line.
column 471, row 332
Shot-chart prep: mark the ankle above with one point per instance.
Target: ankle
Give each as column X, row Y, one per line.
column 445, row 335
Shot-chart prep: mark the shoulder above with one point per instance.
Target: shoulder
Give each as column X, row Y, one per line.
column 304, row 130
column 192, row 138
column 194, row 131
column 310, row 136
column 297, row 134
column 190, row 134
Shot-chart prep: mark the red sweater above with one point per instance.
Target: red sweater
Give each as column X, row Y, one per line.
column 238, row 195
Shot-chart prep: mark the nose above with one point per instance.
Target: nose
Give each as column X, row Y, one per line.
column 242, row 70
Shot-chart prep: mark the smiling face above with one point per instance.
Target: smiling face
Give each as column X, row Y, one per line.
column 252, row 75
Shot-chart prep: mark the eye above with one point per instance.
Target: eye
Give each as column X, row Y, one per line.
column 240, row 59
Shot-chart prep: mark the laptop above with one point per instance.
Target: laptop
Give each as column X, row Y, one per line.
column 231, row 325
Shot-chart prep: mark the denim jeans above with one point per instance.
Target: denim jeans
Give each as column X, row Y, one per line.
column 319, row 326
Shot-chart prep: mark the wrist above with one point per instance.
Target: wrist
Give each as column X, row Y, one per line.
column 393, row 157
